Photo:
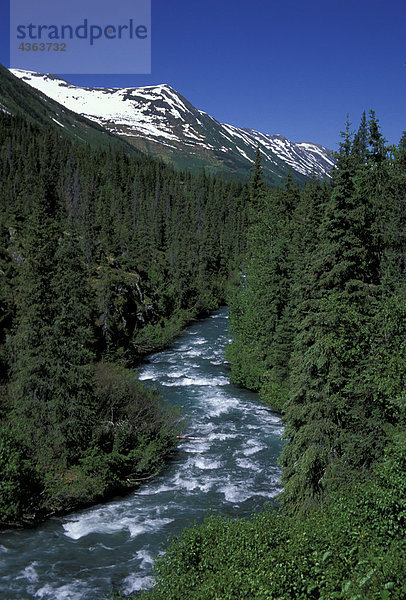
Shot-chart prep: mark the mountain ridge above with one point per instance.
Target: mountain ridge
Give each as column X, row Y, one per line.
column 160, row 121
column 17, row 97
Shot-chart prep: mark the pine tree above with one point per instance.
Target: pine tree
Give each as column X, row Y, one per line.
column 328, row 398
column 258, row 353
column 360, row 143
column 246, row 351
column 72, row 412
column 51, row 384
column 30, row 350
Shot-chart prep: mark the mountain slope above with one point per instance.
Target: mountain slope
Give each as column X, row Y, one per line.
column 158, row 120
column 18, row 97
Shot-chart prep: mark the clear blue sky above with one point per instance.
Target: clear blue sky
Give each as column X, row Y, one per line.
column 286, row 66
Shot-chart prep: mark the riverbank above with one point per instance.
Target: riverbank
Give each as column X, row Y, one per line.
column 133, row 433
column 100, row 476
column 233, row 470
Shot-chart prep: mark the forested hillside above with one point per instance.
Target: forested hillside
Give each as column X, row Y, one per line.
column 104, row 258
column 17, row 97
column 318, row 327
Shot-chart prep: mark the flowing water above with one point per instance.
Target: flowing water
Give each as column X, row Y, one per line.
column 231, row 469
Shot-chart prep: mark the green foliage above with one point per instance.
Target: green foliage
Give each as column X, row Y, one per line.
column 318, row 326
column 104, row 257
column 338, row 411
column 274, row 391
column 352, row 547
column 129, row 411
column 260, row 310
column 19, row 480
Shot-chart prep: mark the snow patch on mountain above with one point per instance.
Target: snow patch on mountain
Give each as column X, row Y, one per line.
column 160, row 114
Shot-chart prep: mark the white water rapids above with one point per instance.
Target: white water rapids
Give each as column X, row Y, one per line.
column 232, row 469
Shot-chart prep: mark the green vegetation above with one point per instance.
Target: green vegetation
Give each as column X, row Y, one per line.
column 19, row 98
column 104, row 258
column 106, row 255
column 353, row 547
column 318, row 327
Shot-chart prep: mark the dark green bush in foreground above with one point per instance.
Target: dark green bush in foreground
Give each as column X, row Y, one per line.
column 133, row 434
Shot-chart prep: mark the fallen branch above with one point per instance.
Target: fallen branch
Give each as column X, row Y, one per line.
column 140, row 480
column 191, row 437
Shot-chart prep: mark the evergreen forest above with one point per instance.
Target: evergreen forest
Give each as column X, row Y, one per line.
column 106, row 255
column 318, row 329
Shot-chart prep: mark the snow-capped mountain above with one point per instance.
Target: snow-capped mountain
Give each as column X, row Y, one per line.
column 157, row 119
column 18, row 98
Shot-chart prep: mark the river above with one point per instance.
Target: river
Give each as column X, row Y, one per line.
column 231, row 469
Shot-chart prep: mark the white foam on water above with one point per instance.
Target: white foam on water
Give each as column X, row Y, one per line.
column 221, row 409
column 223, row 436
column 98, row 521
column 220, row 404
column 186, row 347
column 149, row 525
column 234, row 493
column 197, row 381
column 64, row 592
column 145, row 557
column 245, row 463
column 149, row 374
column 190, row 483
column 98, row 546
column 216, row 352
column 186, row 483
column 106, row 522
column 271, row 419
column 206, row 463
column 273, row 491
column 152, row 490
column 177, row 374
column 135, row 583
column 157, row 359
column 204, row 429
column 218, row 410
column 195, row 446
column 29, row 573
column 193, row 353
column 3, row 548
column 253, row 447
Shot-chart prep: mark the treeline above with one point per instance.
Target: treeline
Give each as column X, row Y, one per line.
column 104, row 258
column 318, row 328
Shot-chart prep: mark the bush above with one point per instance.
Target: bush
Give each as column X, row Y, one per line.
column 352, row 548
column 19, row 480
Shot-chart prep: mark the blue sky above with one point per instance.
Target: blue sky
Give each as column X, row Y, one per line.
column 291, row 67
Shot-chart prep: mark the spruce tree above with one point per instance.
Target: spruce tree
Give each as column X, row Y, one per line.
column 30, row 348
column 248, row 306
column 52, row 378
column 72, row 412
column 259, row 323
column 328, row 398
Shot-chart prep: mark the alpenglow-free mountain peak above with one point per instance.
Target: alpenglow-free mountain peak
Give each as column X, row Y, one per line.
column 158, row 120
